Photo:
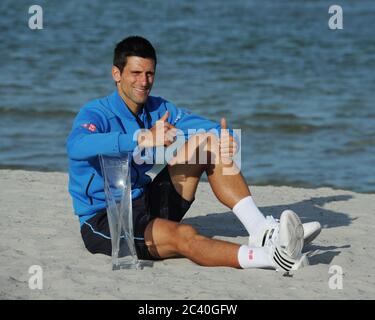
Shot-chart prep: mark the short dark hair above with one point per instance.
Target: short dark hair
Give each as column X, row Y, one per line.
column 132, row 46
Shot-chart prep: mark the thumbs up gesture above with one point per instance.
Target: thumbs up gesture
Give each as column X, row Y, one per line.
column 228, row 146
column 162, row 133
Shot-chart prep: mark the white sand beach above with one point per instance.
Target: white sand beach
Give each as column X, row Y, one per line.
column 38, row 227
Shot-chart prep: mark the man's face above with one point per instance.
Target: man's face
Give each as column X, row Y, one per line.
column 135, row 81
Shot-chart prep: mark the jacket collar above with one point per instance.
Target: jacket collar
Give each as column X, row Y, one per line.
column 119, row 107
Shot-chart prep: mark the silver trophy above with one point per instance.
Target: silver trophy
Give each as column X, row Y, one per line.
column 117, row 187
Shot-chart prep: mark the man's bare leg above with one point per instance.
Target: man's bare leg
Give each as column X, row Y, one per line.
column 228, row 188
column 167, row 239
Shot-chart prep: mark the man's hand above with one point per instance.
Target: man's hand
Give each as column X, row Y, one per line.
column 161, row 134
column 228, row 146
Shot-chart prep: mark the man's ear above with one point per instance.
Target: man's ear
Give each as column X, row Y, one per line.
column 116, row 74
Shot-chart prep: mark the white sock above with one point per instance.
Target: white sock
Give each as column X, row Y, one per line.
column 253, row 257
column 249, row 214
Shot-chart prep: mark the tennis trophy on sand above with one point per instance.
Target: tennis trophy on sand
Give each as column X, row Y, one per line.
column 117, row 187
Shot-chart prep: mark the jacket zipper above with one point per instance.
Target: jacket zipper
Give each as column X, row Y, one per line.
column 88, row 186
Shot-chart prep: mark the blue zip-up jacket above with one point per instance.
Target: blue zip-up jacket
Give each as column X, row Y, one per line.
column 107, row 126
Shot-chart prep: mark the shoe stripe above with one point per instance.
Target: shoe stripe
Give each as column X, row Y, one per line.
column 264, row 238
column 271, row 233
column 280, row 263
column 285, row 261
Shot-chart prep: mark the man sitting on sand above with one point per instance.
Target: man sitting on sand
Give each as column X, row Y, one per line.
column 111, row 126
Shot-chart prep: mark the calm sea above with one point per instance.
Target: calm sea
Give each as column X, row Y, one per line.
column 302, row 94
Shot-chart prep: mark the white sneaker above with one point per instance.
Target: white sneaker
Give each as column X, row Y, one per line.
column 290, row 237
column 310, row 231
column 286, row 242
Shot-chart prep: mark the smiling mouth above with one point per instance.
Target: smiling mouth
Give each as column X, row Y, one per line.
column 141, row 90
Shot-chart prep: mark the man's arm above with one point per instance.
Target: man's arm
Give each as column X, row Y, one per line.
column 88, row 138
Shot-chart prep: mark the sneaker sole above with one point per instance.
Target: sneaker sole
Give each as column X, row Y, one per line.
column 291, row 234
column 314, row 234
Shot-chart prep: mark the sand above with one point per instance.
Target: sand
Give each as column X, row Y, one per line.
column 38, row 227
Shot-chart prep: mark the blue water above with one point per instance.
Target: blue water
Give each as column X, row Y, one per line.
column 302, row 94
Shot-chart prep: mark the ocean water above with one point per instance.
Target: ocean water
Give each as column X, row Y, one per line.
column 302, row 94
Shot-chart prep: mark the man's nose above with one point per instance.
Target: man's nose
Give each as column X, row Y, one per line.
column 144, row 80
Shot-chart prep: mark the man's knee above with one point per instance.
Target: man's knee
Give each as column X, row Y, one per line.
column 185, row 237
column 201, row 149
column 164, row 238
column 211, row 148
column 185, row 231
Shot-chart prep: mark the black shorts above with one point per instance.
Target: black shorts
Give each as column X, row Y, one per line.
column 160, row 200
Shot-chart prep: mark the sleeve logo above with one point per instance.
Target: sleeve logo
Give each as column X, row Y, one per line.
column 89, row 126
